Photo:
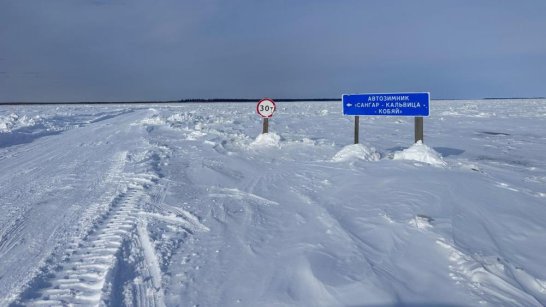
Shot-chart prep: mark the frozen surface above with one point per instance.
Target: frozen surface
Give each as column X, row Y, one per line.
column 183, row 205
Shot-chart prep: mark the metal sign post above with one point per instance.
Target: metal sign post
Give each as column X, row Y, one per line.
column 357, row 128
column 265, row 108
column 265, row 128
column 419, row 132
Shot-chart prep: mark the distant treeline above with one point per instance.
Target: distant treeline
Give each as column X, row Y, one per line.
column 190, row 100
column 258, row 99
column 233, row 100
column 512, row 98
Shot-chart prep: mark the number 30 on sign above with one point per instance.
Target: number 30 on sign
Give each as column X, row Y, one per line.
column 266, row 108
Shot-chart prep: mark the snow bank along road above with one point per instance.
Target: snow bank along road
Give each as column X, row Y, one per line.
column 182, row 205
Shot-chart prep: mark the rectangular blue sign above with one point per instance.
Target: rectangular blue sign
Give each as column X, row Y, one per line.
column 388, row 104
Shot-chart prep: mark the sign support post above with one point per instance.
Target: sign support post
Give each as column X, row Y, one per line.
column 266, row 125
column 357, row 128
column 419, row 131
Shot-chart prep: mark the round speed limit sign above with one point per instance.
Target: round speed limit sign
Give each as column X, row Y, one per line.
column 265, row 107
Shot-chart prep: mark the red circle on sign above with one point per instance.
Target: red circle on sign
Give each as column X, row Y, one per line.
column 267, row 108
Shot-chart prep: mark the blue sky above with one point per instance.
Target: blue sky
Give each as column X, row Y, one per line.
column 74, row 50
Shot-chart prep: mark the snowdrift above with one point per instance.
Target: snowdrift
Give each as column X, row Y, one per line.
column 421, row 153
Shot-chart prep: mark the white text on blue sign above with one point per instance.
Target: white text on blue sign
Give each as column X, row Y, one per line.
column 393, row 104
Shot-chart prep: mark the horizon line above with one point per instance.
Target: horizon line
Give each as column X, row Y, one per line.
column 216, row 100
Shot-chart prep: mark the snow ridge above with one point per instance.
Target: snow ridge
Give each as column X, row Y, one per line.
column 488, row 277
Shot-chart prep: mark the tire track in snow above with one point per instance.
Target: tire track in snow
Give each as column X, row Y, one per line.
column 10, row 236
column 48, row 249
column 148, row 288
column 89, row 271
column 84, row 276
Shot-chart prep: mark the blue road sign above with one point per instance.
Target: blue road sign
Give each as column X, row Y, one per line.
column 389, row 104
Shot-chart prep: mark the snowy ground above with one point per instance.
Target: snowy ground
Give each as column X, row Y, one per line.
column 184, row 205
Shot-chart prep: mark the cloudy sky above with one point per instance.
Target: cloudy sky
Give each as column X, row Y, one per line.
column 115, row 50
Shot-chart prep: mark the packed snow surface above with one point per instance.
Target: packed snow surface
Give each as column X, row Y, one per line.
column 189, row 205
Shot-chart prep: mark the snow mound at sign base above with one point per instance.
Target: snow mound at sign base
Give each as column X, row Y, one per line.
column 421, row 153
column 266, row 140
column 356, row 152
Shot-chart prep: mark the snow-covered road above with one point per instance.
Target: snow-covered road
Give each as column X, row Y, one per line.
column 70, row 201
column 186, row 205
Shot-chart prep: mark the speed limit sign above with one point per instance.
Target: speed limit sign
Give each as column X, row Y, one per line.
column 265, row 108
